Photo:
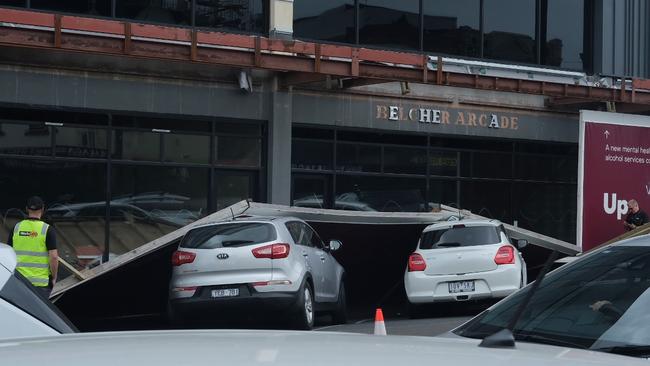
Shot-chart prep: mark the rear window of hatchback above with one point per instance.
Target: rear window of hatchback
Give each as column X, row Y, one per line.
column 229, row 235
column 464, row 236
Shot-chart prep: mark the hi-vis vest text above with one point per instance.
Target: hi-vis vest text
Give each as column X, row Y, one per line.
column 29, row 245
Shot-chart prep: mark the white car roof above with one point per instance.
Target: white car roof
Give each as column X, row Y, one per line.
column 242, row 348
column 470, row 222
column 7, row 257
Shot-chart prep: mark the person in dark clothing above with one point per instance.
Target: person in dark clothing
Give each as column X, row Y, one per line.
column 635, row 216
column 34, row 242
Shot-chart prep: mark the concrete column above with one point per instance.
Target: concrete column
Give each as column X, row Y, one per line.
column 281, row 19
column 279, row 182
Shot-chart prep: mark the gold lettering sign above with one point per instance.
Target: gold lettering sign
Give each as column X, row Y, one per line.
column 434, row 116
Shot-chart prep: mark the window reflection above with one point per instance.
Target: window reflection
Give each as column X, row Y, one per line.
column 158, row 11
column 232, row 188
column 332, row 20
column 313, row 155
column 242, row 15
column 186, row 148
column 549, row 209
column 405, row 160
column 381, row 194
column 136, row 145
column 390, row 23
column 358, row 158
column 452, row 27
column 81, row 142
column 149, row 202
column 239, row 151
column 89, row 7
column 562, row 43
column 25, row 139
column 510, row 30
column 74, row 207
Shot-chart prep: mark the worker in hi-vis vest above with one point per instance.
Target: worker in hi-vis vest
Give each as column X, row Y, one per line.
column 35, row 245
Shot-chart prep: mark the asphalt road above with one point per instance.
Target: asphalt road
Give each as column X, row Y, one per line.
column 414, row 327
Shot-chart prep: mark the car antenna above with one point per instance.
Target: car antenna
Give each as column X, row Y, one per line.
column 505, row 337
column 232, row 213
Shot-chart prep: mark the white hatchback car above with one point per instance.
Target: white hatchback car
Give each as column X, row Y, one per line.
column 256, row 265
column 463, row 260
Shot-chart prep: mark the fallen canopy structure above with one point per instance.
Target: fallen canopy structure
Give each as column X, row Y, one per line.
column 130, row 291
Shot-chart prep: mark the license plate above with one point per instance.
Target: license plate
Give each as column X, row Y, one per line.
column 461, row 286
column 228, row 292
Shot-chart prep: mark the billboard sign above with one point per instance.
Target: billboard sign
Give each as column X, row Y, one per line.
column 614, row 167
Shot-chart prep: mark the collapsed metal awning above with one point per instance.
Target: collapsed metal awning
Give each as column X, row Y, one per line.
column 312, row 215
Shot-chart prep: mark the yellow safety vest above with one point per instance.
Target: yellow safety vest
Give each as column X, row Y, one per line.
column 31, row 251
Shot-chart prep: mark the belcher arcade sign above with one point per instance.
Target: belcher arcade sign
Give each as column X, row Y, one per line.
column 444, row 117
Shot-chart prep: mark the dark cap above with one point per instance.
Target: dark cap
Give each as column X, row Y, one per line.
column 35, row 203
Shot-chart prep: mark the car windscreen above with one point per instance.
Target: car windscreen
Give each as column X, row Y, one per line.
column 20, row 293
column 600, row 302
column 461, row 236
column 229, row 235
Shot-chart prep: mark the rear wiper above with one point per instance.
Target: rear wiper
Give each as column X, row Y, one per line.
column 231, row 243
column 504, row 337
column 448, row 245
column 628, row 350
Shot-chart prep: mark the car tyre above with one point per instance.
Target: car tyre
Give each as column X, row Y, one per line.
column 340, row 315
column 305, row 314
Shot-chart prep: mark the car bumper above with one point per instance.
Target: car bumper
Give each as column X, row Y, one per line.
column 202, row 303
column 422, row 288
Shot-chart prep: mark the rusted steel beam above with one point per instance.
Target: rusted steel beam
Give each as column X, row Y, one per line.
column 91, row 35
column 300, row 78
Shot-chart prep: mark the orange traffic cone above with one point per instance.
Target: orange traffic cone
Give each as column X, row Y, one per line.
column 380, row 326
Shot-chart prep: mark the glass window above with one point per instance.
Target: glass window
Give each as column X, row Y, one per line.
column 562, row 42
column 460, row 236
column 69, row 189
column 250, row 129
column 229, row 235
column 310, row 191
column 90, row 7
column 452, row 27
column 546, row 167
column 149, row 202
column 313, row 155
column 443, row 163
column 81, row 142
column 17, row 3
column 332, row 20
column 239, row 15
column 156, row 11
column 392, row 24
column 489, row 199
column 480, row 164
column 549, row 209
column 312, row 237
column 240, row 151
column 405, row 160
column 599, row 302
column 25, row 139
column 358, row 158
column 380, row 194
column 186, row 148
column 232, row 187
column 442, row 192
column 136, row 145
column 509, row 27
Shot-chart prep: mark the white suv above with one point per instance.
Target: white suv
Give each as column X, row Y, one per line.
column 464, row 260
column 23, row 312
column 256, row 265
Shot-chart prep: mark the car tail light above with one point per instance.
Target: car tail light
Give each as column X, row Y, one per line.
column 272, row 283
column 505, row 255
column 180, row 257
column 416, row 263
column 272, row 251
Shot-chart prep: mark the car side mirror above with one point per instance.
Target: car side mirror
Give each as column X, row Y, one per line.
column 522, row 243
column 335, row 245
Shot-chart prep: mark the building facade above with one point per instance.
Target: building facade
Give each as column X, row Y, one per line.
column 124, row 147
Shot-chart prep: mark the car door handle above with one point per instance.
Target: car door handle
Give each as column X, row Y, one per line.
column 322, row 257
column 305, row 255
